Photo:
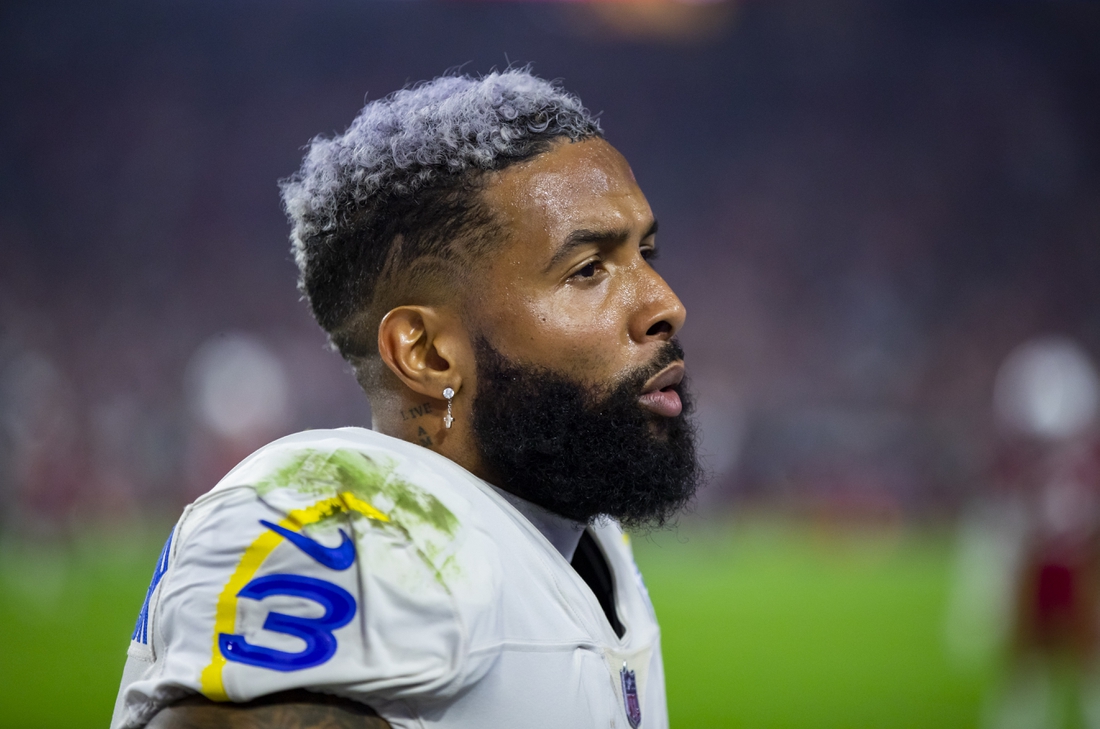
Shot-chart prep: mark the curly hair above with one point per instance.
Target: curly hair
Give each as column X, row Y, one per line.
column 390, row 210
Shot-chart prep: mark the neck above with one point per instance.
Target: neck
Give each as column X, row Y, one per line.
column 420, row 420
column 564, row 534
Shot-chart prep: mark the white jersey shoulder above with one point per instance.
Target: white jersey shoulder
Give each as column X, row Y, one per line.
column 352, row 563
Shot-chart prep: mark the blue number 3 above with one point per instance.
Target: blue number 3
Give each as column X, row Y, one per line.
column 316, row 632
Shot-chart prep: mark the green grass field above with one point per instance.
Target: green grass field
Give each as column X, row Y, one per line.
column 765, row 626
column 776, row 627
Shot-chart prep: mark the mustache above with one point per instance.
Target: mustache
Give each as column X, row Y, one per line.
column 670, row 352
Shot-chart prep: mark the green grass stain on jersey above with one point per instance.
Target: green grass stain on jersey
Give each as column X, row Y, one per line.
column 327, row 473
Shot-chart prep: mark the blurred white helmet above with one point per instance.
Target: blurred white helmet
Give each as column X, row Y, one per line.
column 1047, row 387
column 238, row 386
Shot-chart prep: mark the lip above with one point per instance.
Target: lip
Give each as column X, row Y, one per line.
column 658, row 398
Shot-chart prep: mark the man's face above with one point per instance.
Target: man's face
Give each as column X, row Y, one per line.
column 578, row 404
column 572, row 289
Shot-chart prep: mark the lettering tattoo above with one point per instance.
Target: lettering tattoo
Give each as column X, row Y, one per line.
column 425, row 439
column 296, row 709
column 416, row 412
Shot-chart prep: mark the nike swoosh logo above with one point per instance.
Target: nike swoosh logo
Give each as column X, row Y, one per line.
column 335, row 558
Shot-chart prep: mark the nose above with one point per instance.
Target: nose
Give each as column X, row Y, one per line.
column 660, row 314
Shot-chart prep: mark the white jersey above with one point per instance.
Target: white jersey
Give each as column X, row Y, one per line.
column 355, row 564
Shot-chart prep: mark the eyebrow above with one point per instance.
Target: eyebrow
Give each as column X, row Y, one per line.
column 588, row 236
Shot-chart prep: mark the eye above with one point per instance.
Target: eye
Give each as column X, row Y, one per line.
column 650, row 254
column 588, row 271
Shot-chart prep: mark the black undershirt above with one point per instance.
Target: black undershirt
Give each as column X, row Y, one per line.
column 591, row 565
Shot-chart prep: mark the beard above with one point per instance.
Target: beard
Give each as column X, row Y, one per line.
column 579, row 451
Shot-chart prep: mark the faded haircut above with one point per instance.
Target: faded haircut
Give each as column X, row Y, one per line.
column 390, row 213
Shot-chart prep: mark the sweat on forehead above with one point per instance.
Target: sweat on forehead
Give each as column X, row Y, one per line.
column 378, row 211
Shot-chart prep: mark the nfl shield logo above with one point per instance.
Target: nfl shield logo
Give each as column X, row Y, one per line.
column 630, row 698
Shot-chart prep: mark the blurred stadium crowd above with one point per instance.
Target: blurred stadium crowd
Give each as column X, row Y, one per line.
column 866, row 210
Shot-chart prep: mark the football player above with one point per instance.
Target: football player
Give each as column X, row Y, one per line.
column 483, row 259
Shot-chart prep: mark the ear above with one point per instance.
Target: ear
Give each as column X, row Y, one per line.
column 423, row 346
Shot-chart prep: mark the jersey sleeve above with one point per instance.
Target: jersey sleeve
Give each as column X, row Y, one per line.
column 317, row 568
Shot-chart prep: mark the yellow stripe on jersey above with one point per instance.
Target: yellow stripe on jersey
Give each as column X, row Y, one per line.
column 225, row 614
